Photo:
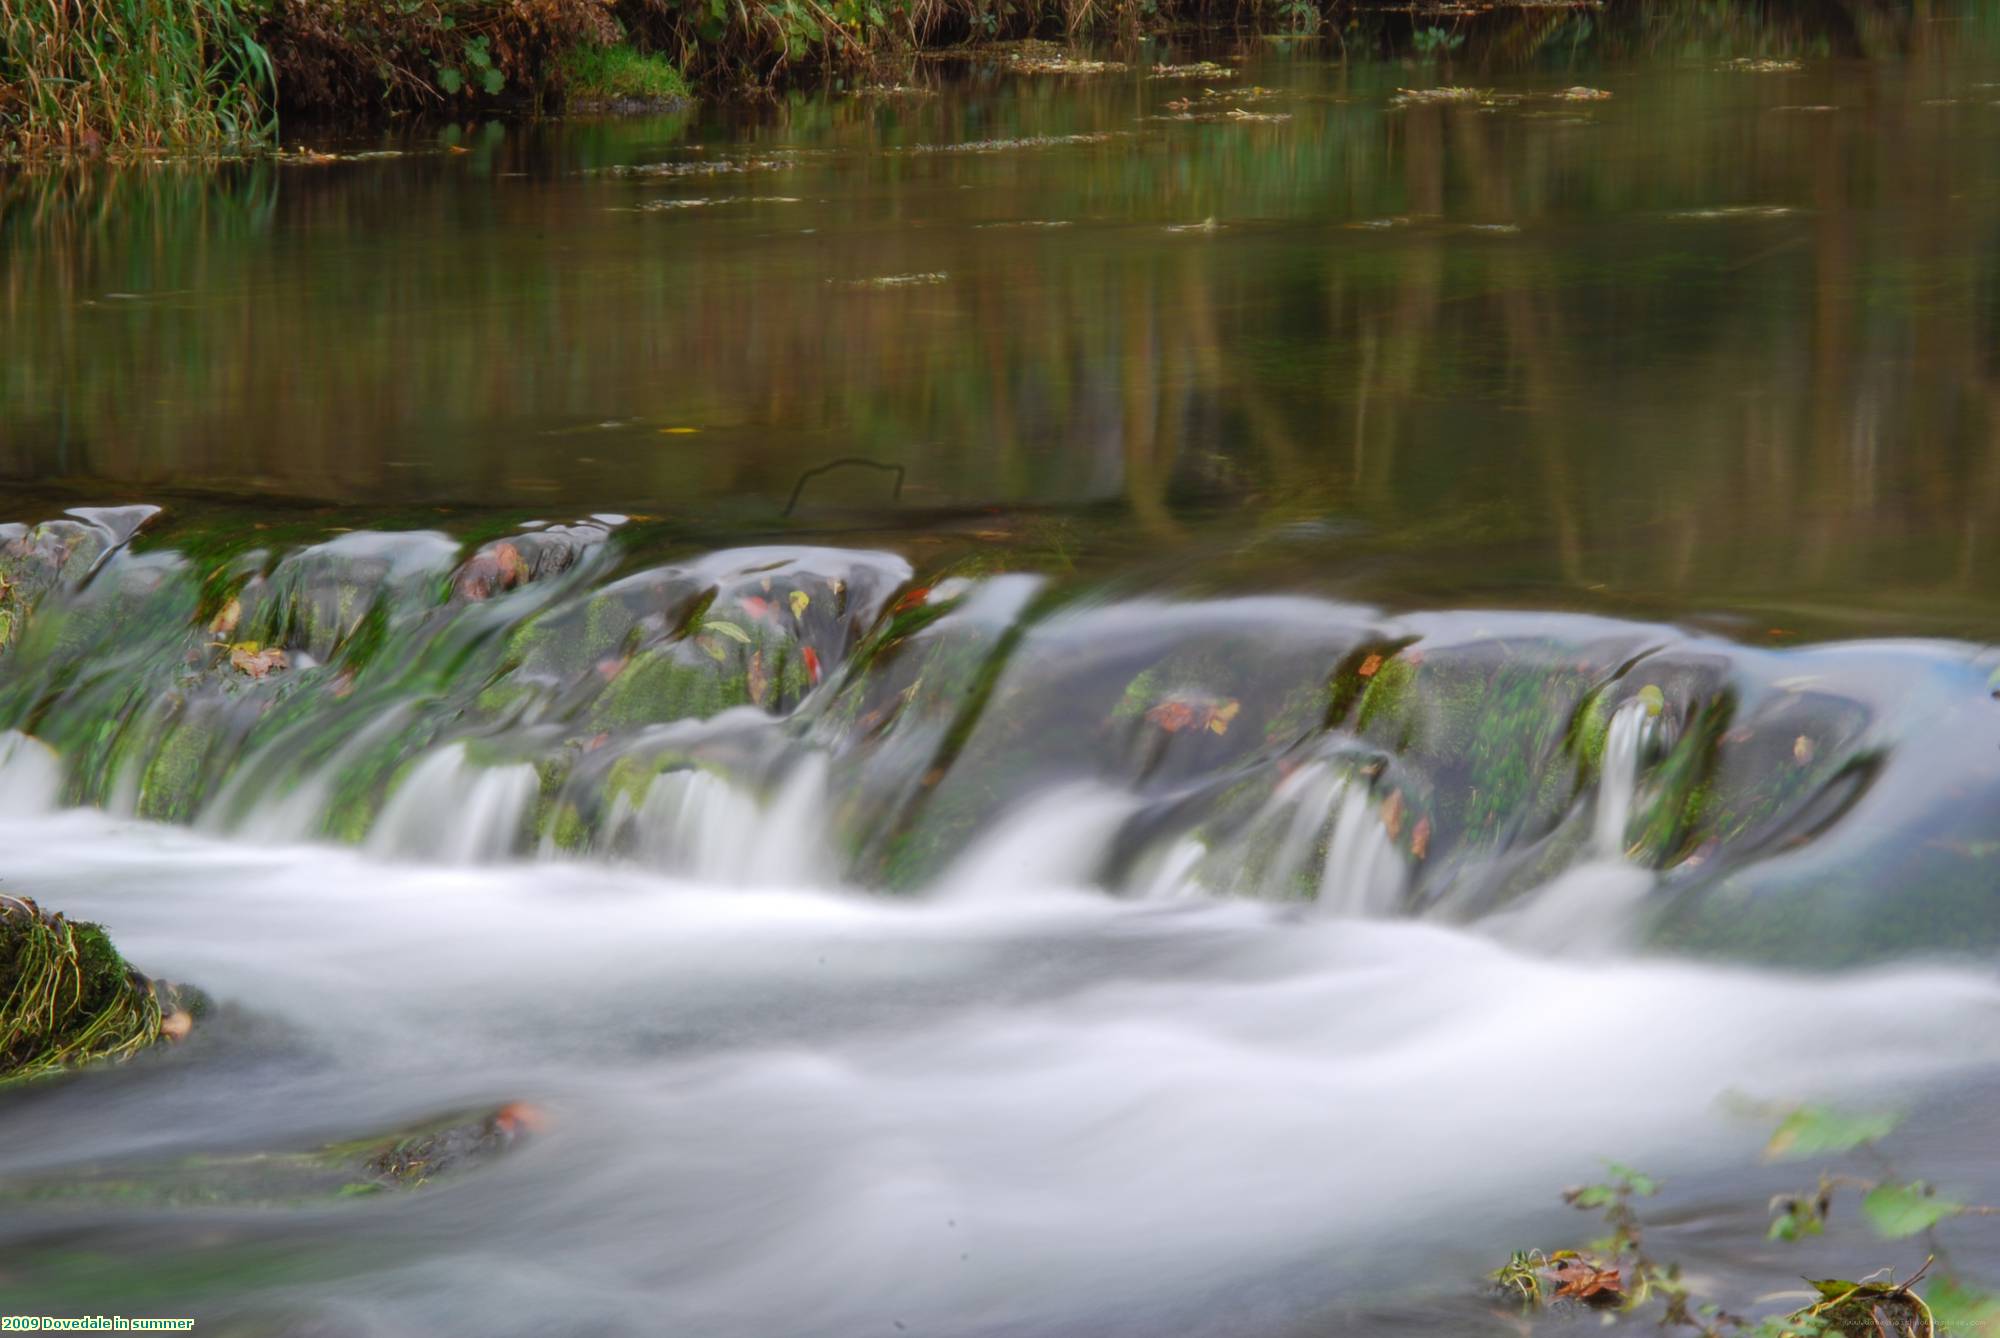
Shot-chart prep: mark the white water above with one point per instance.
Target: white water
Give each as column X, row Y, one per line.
column 1018, row 1108
column 806, row 1113
column 701, row 826
column 449, row 810
column 1625, row 739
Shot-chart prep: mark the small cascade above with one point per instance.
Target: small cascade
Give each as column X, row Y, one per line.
column 1364, row 872
column 1625, row 741
column 1277, row 855
column 30, row 775
column 450, row 810
column 1060, row 839
column 252, row 807
column 701, row 826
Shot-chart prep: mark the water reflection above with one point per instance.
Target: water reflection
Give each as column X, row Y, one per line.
column 1725, row 336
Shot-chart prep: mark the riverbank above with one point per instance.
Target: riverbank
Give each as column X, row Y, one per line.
column 90, row 78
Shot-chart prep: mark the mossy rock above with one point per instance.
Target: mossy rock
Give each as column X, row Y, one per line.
column 67, row 998
column 427, row 1153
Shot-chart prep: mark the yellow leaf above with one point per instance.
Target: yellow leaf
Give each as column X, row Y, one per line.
column 678, row 431
column 799, row 601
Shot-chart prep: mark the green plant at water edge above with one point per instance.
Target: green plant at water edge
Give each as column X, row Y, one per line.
column 1433, row 42
column 66, row 996
column 1617, row 1272
column 620, row 74
column 137, row 75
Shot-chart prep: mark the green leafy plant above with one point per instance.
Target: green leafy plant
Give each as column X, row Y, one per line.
column 1617, row 1269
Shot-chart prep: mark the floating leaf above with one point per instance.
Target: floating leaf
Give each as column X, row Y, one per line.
column 1580, row 1279
column 1896, row 1211
column 1814, row 1130
column 800, row 600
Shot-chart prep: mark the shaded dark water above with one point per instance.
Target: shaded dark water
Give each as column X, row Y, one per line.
column 1420, row 647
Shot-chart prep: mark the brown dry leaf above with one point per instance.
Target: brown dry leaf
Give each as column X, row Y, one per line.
column 224, row 624
column 759, row 680
column 1420, row 838
column 246, row 657
column 1172, row 716
column 1392, row 814
column 176, row 1026
column 1802, row 750
column 1582, row 1280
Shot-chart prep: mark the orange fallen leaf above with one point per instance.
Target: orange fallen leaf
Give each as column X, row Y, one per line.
column 518, row 1117
column 247, row 658
column 812, row 661
column 1392, row 814
column 1370, row 665
column 225, row 620
column 1420, row 838
column 912, row 599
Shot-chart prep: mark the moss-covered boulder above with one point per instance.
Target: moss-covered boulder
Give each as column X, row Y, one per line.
column 68, row 999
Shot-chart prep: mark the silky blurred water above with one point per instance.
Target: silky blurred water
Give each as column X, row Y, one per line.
column 1718, row 348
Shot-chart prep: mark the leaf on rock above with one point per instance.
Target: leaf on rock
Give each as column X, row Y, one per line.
column 728, row 629
column 248, row 658
column 224, row 623
column 812, row 661
column 1420, row 838
column 1580, row 1279
column 1176, row 714
column 800, row 599
column 1370, row 665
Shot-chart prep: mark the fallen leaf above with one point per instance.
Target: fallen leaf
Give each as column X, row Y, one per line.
column 1802, row 750
column 1392, row 814
column 756, row 606
column 1219, row 718
column 1420, row 838
column 225, row 621
column 799, row 601
column 1370, row 665
column 912, row 599
column 728, row 629
column 1582, row 1280
column 518, row 1117
column 759, row 681
column 246, row 657
column 812, row 661
column 175, row 1026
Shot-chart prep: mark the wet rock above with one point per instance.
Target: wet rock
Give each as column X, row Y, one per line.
column 429, row 1152
column 68, row 999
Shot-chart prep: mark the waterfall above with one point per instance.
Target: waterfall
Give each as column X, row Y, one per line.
column 1624, row 741
column 1057, row 840
column 449, row 810
column 1364, row 872
column 30, row 775
column 702, row 826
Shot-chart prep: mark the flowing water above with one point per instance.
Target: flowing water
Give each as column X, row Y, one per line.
column 1407, row 649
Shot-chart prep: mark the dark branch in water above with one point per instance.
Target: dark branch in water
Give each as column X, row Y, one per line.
column 832, row 465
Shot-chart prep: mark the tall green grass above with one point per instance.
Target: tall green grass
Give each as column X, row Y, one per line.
column 133, row 75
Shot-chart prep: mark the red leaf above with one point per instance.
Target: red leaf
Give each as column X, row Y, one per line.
column 812, row 661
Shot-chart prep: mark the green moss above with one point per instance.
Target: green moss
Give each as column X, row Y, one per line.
column 66, row 996
column 595, row 75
